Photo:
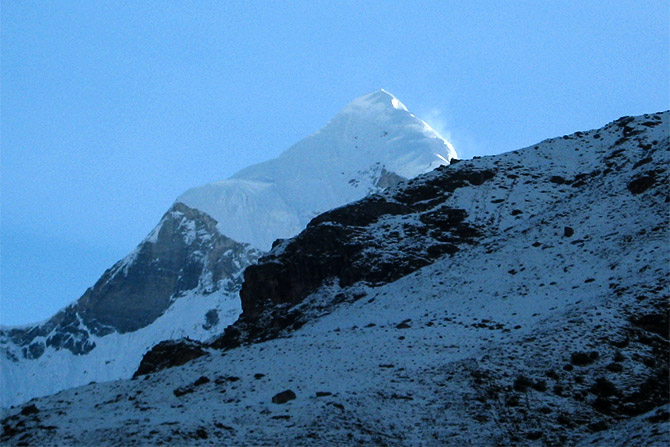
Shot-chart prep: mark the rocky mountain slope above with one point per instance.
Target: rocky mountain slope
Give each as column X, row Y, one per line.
column 183, row 279
column 519, row 299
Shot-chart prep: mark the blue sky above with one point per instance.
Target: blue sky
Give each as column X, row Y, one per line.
column 110, row 110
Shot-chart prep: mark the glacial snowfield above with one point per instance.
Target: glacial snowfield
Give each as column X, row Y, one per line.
column 550, row 330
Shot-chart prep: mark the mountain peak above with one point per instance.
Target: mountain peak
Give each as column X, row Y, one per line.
column 373, row 136
column 375, row 101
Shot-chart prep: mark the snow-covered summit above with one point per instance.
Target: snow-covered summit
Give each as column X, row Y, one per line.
column 372, row 142
column 376, row 102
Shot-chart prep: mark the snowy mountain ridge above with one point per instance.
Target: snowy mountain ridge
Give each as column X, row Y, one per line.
column 372, row 141
column 540, row 319
column 194, row 258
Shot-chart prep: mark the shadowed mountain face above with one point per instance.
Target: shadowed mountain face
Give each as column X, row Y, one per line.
column 188, row 253
column 185, row 252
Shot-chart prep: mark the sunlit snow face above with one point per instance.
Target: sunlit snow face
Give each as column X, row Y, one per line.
column 452, row 151
column 395, row 103
column 442, row 158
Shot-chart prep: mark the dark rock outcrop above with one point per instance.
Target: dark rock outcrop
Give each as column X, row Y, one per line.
column 29, row 409
column 376, row 240
column 283, row 397
column 170, row 353
column 642, row 183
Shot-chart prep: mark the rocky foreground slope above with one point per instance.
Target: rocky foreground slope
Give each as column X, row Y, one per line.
column 519, row 299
